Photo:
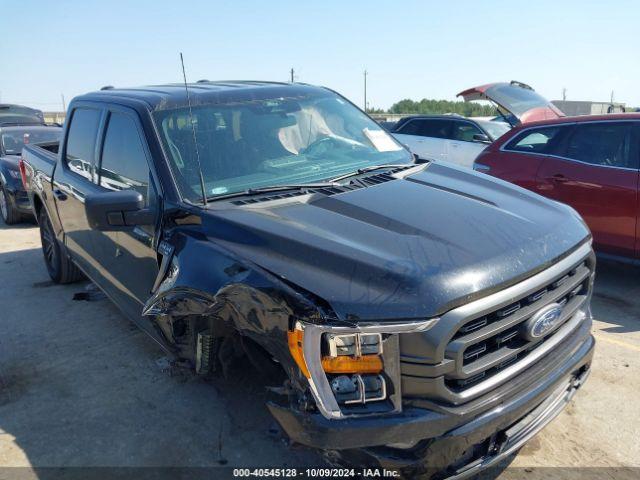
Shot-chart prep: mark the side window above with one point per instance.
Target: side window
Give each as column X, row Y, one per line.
column 409, row 128
column 605, row 144
column 124, row 163
column 465, row 131
column 427, row 128
column 435, row 128
column 541, row 140
column 81, row 141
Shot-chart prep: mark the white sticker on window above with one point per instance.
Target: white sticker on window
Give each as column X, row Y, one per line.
column 381, row 140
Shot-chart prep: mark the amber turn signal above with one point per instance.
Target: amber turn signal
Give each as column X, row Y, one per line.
column 295, row 338
column 346, row 364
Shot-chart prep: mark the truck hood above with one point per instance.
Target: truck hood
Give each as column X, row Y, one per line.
column 408, row 248
column 516, row 98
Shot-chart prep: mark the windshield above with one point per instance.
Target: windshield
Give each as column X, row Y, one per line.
column 261, row 143
column 13, row 139
column 495, row 129
column 516, row 99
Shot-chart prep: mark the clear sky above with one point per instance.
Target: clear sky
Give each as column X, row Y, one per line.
column 412, row 49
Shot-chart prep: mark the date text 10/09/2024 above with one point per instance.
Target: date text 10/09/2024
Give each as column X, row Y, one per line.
column 315, row 472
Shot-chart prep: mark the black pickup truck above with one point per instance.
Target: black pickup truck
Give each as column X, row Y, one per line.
column 423, row 317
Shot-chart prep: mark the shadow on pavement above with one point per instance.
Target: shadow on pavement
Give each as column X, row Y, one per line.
column 616, row 296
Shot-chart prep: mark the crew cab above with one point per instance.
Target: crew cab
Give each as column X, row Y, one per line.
column 420, row 316
column 589, row 162
column 450, row 138
column 14, row 202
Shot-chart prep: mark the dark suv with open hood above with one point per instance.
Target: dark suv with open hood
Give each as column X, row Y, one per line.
column 424, row 317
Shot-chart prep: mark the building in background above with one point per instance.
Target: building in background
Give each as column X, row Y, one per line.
column 576, row 107
column 54, row 117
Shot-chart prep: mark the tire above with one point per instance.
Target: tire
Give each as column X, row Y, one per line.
column 8, row 210
column 60, row 267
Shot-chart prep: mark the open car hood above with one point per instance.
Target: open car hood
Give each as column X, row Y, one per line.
column 515, row 98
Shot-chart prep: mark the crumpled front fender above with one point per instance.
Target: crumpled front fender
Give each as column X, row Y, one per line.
column 199, row 278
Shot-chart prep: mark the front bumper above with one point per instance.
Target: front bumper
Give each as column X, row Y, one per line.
column 455, row 442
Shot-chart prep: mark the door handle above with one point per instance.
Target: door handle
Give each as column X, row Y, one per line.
column 60, row 195
column 558, row 178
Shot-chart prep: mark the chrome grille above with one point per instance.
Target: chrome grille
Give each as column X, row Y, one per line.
column 482, row 347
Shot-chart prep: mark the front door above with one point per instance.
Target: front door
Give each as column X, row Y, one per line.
column 130, row 255
column 426, row 137
column 522, row 157
column 463, row 149
column 597, row 174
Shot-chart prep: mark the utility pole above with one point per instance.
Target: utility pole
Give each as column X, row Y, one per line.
column 292, row 75
column 564, row 93
column 611, row 97
column 365, row 89
column 64, row 104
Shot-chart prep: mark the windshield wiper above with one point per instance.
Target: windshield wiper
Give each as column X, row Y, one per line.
column 273, row 188
column 360, row 171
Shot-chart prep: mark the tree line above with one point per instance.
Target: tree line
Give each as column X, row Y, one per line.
column 429, row 106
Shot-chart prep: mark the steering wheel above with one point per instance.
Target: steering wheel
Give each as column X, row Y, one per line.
column 318, row 146
column 321, row 145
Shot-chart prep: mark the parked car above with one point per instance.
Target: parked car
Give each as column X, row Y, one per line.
column 280, row 220
column 589, row 162
column 451, row 138
column 14, row 202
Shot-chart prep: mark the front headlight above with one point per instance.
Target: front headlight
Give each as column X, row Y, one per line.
column 352, row 371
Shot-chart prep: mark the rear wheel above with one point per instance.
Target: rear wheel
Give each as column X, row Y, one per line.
column 9, row 213
column 60, row 267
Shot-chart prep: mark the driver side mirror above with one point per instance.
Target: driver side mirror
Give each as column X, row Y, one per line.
column 481, row 138
column 117, row 210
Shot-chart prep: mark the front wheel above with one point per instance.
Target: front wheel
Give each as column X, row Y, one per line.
column 60, row 267
column 8, row 210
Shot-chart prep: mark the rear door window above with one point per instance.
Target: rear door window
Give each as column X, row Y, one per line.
column 81, row 141
column 124, row 163
column 606, row 144
column 464, row 131
column 537, row 140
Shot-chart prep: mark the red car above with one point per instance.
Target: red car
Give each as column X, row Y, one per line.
column 590, row 162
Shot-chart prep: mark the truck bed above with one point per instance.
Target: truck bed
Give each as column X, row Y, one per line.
column 41, row 157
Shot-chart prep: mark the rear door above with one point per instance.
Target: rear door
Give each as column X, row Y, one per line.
column 73, row 180
column 130, row 256
column 597, row 174
column 463, row 149
column 426, row 137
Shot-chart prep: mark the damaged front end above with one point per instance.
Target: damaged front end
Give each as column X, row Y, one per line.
column 397, row 394
column 208, row 308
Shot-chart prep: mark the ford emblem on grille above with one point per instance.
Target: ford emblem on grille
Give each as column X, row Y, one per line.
column 542, row 322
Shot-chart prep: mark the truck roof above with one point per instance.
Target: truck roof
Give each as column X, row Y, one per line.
column 160, row 97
